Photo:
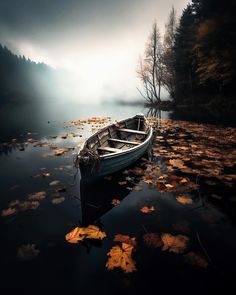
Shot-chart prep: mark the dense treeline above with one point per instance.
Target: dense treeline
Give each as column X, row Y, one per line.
column 195, row 60
column 21, row 79
column 204, row 54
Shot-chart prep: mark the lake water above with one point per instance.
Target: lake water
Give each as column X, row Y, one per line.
column 52, row 265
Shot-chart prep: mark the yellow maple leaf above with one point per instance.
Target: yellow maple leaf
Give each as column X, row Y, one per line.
column 80, row 233
column 176, row 244
column 121, row 257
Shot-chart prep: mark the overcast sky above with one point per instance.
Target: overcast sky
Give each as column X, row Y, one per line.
column 98, row 42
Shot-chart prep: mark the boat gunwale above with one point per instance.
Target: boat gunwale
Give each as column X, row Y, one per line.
column 122, row 152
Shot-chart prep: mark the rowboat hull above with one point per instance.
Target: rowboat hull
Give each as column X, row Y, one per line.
column 112, row 164
column 94, row 165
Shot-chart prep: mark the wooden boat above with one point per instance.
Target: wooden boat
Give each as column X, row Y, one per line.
column 114, row 147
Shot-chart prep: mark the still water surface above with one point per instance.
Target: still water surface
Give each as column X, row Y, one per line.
column 64, row 268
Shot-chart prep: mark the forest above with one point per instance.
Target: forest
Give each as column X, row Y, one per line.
column 196, row 59
column 21, row 78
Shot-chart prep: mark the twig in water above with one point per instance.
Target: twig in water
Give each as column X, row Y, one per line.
column 144, row 228
column 203, row 248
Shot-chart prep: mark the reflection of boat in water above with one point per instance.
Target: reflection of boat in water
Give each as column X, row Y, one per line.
column 96, row 200
column 114, row 147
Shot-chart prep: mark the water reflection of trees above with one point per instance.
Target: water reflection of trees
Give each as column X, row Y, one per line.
column 7, row 148
column 155, row 112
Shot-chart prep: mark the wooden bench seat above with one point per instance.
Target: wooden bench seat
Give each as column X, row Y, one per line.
column 109, row 149
column 123, row 141
column 132, row 131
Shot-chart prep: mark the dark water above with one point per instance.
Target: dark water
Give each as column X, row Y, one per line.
column 65, row 268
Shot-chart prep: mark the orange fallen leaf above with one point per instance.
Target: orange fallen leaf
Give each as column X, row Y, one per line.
column 176, row 244
column 196, row 259
column 8, row 212
column 184, row 200
column 177, row 163
column 147, row 209
column 121, row 257
column 81, row 233
column 125, row 239
column 37, row 196
column 28, row 205
column 115, row 202
column 58, row 200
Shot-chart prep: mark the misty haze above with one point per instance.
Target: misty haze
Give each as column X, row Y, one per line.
column 117, row 146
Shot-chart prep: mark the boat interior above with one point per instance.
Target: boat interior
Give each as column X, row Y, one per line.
column 119, row 137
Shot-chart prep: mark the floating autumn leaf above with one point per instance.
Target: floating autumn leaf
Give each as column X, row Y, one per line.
column 147, row 209
column 115, row 202
column 58, row 200
column 54, row 182
column 125, row 239
column 184, row 200
column 8, row 212
column 81, row 233
column 176, row 244
column 28, row 205
column 169, row 186
column 184, row 180
column 121, row 257
column 138, row 188
column 57, row 152
column 45, row 174
column 153, row 240
column 37, row 196
column 196, row 259
column 27, row 252
column 148, row 178
column 177, row 163
column 122, row 182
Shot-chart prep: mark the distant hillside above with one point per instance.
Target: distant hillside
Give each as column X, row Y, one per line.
column 21, row 79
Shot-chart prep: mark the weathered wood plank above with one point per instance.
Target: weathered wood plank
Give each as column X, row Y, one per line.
column 132, row 131
column 123, row 141
column 109, row 149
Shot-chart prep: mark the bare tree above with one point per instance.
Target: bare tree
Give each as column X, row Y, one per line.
column 168, row 54
column 151, row 69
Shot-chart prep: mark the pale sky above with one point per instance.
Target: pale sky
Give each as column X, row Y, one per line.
column 97, row 42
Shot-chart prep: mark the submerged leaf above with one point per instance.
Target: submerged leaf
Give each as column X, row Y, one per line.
column 153, row 240
column 27, row 252
column 196, row 259
column 176, row 244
